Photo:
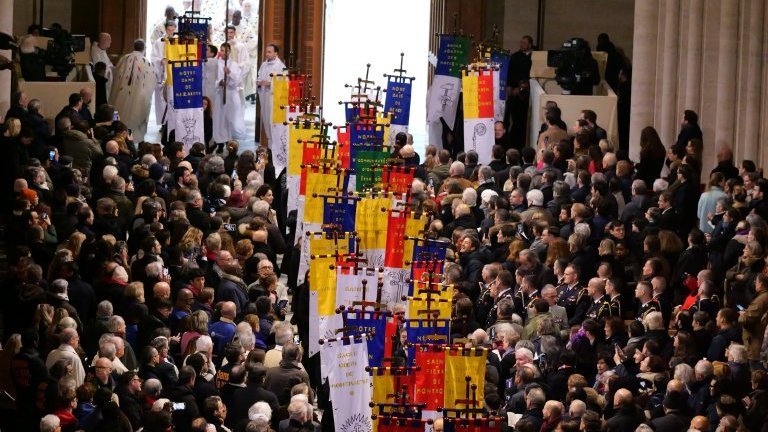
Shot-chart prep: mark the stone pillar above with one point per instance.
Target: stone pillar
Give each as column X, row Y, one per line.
column 644, row 53
column 669, row 73
column 694, row 55
column 727, row 65
column 754, row 84
column 6, row 26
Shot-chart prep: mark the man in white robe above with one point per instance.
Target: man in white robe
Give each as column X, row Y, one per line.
column 99, row 54
column 239, row 52
column 159, row 64
column 228, row 120
column 272, row 65
column 134, row 81
column 210, row 73
column 246, row 41
column 159, row 29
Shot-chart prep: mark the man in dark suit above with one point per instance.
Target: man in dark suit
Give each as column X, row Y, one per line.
column 690, row 130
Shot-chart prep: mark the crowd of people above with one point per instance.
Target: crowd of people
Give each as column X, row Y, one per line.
column 144, row 292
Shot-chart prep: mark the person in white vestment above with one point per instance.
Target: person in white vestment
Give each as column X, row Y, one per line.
column 99, row 54
column 239, row 54
column 271, row 65
column 210, row 72
column 228, row 120
column 159, row 29
column 159, row 64
column 247, row 41
column 134, row 81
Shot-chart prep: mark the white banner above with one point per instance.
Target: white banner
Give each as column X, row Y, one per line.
column 189, row 127
column 349, row 286
column 350, row 385
column 478, row 136
column 395, row 287
column 279, row 145
column 321, row 327
column 443, row 99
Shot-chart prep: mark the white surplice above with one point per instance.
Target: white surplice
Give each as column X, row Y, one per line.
column 228, row 119
column 159, row 67
column 267, row 68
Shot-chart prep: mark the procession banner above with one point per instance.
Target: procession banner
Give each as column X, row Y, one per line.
column 443, row 97
column 399, row 250
column 321, row 327
column 397, row 179
column 319, row 181
column 438, row 300
column 280, row 99
column 429, row 382
column 501, row 59
column 371, row 221
column 349, row 286
column 459, row 364
column 479, row 113
column 398, row 102
column 350, row 387
column 188, row 102
column 423, row 331
column 387, row 382
column 371, row 323
column 325, row 252
column 363, row 162
column 176, row 51
column 345, row 150
column 339, row 213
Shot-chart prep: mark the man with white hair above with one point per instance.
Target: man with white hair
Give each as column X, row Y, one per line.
column 297, row 416
column 50, row 423
column 70, row 340
column 534, row 401
column 116, row 326
column 536, row 210
column 283, row 334
column 577, row 408
column 455, row 174
column 638, row 205
column 469, row 197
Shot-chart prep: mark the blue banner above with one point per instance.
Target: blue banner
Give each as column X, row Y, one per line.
column 187, row 86
column 374, row 323
column 199, row 29
column 340, row 213
column 419, row 329
column 398, row 101
column 502, row 59
column 428, row 250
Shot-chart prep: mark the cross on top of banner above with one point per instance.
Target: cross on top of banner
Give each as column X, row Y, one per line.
column 400, row 72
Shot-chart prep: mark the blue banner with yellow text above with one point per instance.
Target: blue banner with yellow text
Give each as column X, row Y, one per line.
column 398, row 102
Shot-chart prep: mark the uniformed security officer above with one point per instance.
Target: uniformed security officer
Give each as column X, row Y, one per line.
column 646, row 303
column 599, row 308
column 571, row 296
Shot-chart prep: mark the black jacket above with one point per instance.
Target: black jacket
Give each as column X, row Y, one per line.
column 182, row 418
column 626, row 419
column 246, row 397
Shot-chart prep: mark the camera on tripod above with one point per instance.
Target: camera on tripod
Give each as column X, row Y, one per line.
column 575, row 70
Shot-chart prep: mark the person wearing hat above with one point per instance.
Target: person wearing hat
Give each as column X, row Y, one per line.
column 157, row 173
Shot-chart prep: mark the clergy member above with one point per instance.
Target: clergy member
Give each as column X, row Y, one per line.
column 159, row 29
column 134, row 81
column 248, row 42
column 99, row 54
column 272, row 65
column 159, row 64
column 228, row 120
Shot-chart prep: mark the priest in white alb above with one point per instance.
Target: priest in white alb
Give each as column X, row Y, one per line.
column 159, row 64
column 133, row 83
column 99, row 54
column 228, row 118
column 271, row 65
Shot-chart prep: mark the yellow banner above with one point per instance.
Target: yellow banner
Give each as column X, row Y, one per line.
column 295, row 147
column 414, row 227
column 457, row 368
column 322, row 271
column 318, row 182
column 178, row 52
column 383, row 118
column 279, row 98
column 371, row 222
column 469, row 86
column 441, row 302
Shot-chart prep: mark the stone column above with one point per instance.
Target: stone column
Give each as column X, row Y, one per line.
column 644, row 46
column 669, row 115
column 727, row 64
column 694, row 55
column 6, row 26
column 754, row 85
